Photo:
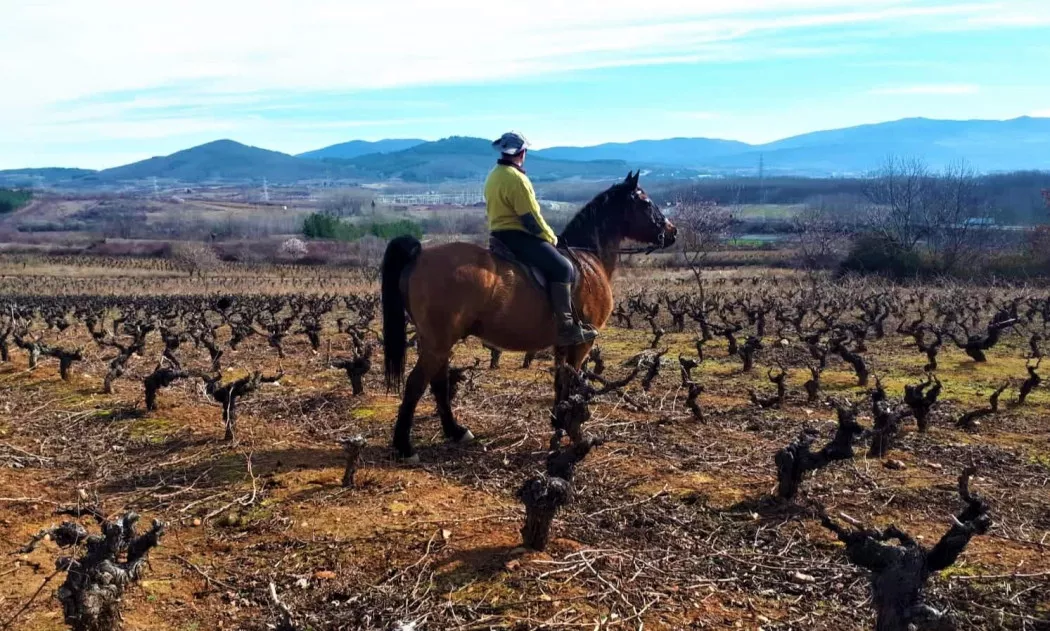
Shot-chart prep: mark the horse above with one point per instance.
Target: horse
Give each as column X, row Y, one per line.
column 455, row 290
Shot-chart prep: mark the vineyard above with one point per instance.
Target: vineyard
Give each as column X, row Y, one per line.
column 759, row 450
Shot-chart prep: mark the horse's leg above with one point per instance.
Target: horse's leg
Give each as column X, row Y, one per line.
column 426, row 367
column 576, row 355
column 440, row 387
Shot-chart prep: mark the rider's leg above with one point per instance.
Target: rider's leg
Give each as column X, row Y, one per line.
column 559, row 274
column 535, row 251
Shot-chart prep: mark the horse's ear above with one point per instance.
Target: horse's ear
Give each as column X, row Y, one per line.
column 632, row 179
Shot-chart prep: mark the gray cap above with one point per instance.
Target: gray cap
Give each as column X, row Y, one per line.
column 511, row 143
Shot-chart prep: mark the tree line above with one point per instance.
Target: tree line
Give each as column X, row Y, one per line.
column 905, row 220
column 13, row 199
column 1014, row 198
column 324, row 226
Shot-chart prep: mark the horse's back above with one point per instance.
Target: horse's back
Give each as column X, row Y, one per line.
column 459, row 289
column 466, row 265
column 451, row 256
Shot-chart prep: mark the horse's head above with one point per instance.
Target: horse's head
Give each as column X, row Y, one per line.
column 642, row 219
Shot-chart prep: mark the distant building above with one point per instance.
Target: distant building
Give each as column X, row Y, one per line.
column 979, row 221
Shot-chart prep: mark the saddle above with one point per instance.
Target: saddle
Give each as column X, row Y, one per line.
column 500, row 250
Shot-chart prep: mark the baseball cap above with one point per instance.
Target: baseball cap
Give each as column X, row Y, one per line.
column 511, row 143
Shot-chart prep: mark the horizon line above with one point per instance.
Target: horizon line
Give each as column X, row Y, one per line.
column 559, row 146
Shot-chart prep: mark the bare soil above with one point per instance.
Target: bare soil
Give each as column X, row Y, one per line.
column 673, row 524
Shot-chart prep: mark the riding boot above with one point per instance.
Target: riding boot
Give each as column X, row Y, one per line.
column 570, row 332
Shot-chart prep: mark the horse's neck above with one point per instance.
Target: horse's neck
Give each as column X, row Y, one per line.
column 609, row 255
column 605, row 254
column 596, row 241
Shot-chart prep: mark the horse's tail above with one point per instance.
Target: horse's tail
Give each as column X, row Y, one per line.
column 400, row 253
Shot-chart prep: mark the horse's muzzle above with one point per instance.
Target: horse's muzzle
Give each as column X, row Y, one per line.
column 669, row 235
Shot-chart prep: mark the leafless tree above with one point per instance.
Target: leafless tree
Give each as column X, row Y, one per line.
column 958, row 219
column 702, row 226
column 346, row 202
column 943, row 213
column 818, row 233
column 900, row 195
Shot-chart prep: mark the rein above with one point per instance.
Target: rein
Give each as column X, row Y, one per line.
column 646, row 250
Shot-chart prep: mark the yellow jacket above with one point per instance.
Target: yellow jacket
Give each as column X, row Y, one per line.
column 508, row 197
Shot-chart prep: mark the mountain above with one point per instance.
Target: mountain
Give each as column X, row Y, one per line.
column 464, row 158
column 355, row 148
column 674, row 151
column 455, row 158
column 986, row 145
column 221, row 160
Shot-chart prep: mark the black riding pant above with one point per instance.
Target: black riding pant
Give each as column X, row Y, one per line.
column 534, row 251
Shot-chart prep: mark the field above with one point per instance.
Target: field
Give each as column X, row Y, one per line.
column 674, row 522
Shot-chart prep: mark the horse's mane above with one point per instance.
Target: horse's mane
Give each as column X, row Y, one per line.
column 594, row 224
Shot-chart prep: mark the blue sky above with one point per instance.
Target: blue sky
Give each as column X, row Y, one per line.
column 98, row 83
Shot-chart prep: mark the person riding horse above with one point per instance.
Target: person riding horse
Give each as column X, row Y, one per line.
column 515, row 220
column 451, row 291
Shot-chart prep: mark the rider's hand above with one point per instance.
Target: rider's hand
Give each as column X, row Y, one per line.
column 555, row 244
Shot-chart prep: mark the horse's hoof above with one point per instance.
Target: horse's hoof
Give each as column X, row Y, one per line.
column 413, row 459
column 466, row 438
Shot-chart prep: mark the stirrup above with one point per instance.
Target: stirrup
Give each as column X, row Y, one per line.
column 576, row 335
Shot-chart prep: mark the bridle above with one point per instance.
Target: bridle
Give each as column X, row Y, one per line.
column 649, row 249
column 658, row 222
column 652, row 211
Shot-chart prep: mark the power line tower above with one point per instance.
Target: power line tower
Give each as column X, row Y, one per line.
column 266, row 191
column 761, row 178
column 156, row 189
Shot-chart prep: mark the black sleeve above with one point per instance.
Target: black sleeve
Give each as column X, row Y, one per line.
column 530, row 223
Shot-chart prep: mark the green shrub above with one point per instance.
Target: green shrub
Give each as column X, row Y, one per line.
column 878, row 254
column 13, row 199
column 322, row 226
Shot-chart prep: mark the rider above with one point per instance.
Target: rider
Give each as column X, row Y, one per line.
column 515, row 220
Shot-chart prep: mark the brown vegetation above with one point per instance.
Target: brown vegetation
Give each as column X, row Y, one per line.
column 671, row 522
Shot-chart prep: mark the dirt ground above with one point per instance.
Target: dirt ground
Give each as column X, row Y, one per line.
column 673, row 525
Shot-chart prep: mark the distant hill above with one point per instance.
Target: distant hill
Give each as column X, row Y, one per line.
column 40, row 177
column 464, row 158
column 221, row 160
column 355, row 148
column 455, row 158
column 987, row 146
column 673, row 151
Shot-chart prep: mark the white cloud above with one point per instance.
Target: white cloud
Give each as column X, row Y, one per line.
column 89, row 69
column 933, row 89
column 71, row 49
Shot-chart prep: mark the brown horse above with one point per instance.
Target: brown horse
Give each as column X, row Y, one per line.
column 455, row 290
